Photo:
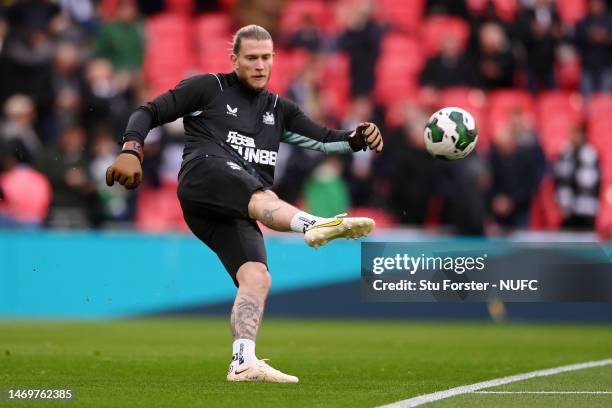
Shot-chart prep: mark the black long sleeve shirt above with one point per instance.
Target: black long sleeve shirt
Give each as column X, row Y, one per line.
column 222, row 117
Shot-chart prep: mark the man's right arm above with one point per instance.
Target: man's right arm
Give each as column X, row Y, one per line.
column 189, row 95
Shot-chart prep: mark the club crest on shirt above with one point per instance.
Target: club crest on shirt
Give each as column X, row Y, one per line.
column 268, row 118
column 231, row 111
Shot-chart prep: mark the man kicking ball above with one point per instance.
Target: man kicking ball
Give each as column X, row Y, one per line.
column 233, row 127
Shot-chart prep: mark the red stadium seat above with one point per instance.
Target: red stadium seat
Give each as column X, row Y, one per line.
column 184, row 7
column 169, row 55
column 545, row 213
column 506, row 9
column 319, row 10
column 436, row 28
column 557, row 112
column 213, row 26
column 501, row 104
column 159, row 210
column 398, row 68
column 571, row 11
column 599, row 120
column 335, row 85
column 604, row 217
column 404, row 16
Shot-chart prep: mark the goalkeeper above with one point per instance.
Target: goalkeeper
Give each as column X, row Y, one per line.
column 233, row 127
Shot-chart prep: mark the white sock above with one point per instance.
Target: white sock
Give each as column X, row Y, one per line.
column 303, row 220
column 243, row 351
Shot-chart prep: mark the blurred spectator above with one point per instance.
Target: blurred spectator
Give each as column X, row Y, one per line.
column 28, row 66
column 21, row 207
column 265, row 13
column 114, row 204
column 74, row 191
column 325, row 192
column 4, row 29
column 122, row 40
column 578, row 179
column 307, row 36
column 451, row 67
column 67, row 84
column 150, row 7
column 447, row 7
column 489, row 14
column 411, row 170
column 539, row 29
column 594, row 43
column 18, row 124
column 495, row 60
column 306, row 91
column 106, row 98
column 28, row 14
column 361, row 41
column 294, row 165
column 517, row 166
column 362, row 169
column 80, row 11
column 207, row 6
column 460, row 185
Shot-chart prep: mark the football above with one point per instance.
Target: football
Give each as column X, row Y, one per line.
column 450, row 133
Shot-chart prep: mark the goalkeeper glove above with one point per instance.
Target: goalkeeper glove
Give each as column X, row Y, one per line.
column 126, row 169
column 366, row 135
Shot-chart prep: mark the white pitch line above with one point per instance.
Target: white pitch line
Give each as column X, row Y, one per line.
column 542, row 392
column 465, row 389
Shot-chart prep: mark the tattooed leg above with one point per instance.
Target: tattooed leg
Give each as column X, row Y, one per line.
column 246, row 315
column 254, row 280
column 265, row 206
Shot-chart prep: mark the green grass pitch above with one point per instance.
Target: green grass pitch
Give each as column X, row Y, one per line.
column 341, row 363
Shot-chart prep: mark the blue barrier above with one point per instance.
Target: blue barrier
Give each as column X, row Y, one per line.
column 100, row 275
column 111, row 274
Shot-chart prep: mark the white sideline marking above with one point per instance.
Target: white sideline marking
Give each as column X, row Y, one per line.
column 542, row 392
column 465, row 389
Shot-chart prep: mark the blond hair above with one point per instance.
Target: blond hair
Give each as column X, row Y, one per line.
column 253, row 32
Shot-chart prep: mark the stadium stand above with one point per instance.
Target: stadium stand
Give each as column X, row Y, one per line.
column 181, row 43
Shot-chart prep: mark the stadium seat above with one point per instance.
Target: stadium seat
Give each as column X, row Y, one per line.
column 603, row 223
column 404, row 16
column 545, row 213
column 321, row 12
column 599, row 120
column 557, row 112
column 213, row 25
column 158, row 210
column 571, row 11
column 335, row 84
column 184, row 7
column 397, row 74
column 502, row 102
column 506, row 9
column 167, row 35
column 435, row 28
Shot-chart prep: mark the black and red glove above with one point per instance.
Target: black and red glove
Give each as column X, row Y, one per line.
column 366, row 135
column 127, row 168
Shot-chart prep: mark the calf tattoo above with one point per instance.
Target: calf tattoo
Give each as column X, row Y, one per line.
column 246, row 315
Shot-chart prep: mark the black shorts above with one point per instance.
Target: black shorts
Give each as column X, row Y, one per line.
column 214, row 194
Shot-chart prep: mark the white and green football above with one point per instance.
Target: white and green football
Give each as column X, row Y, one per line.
column 451, row 133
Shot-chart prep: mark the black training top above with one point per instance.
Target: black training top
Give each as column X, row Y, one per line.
column 224, row 118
